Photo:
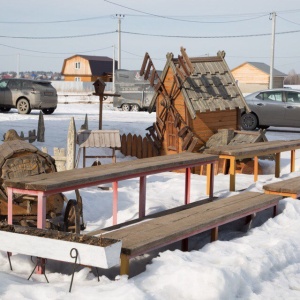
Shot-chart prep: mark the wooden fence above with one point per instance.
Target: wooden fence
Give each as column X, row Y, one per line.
column 133, row 145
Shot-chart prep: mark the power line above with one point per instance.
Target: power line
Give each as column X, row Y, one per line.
column 56, row 37
column 208, row 37
column 182, row 20
column 288, row 20
column 45, row 52
column 53, row 22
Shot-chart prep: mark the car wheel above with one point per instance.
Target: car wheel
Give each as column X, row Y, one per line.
column 48, row 111
column 5, row 109
column 135, row 107
column 263, row 127
column 249, row 121
column 23, row 106
column 125, row 107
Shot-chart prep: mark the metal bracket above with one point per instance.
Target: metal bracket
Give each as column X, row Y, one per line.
column 40, row 262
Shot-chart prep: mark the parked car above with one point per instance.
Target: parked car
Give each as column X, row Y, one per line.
column 275, row 107
column 25, row 95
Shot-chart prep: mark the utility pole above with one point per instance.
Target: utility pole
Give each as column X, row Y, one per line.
column 119, row 39
column 273, row 18
column 113, row 71
column 18, row 65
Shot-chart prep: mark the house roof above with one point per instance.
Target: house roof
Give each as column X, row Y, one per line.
column 100, row 65
column 210, row 87
column 264, row 68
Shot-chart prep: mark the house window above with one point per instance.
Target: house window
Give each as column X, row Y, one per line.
column 77, row 65
column 77, row 79
column 172, row 138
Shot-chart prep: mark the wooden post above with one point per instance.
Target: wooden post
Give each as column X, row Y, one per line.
column 142, row 197
column 71, row 146
column 41, row 128
column 124, row 268
column 277, row 165
column 100, row 111
column 232, row 174
column 293, row 160
column 255, row 168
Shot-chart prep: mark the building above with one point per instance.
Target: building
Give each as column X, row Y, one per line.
column 195, row 97
column 88, row 68
column 255, row 76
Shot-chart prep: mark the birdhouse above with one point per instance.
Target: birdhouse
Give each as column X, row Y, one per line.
column 99, row 86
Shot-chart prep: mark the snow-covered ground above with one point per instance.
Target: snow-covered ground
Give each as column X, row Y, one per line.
column 263, row 263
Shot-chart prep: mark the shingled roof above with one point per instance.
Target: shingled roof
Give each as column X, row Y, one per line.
column 210, row 87
column 266, row 68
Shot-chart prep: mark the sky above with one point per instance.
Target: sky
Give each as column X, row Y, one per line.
column 261, row 263
column 39, row 35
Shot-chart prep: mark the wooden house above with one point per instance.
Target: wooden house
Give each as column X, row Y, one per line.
column 195, row 97
column 88, row 68
column 255, row 76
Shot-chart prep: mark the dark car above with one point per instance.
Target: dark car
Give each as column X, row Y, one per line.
column 275, row 107
column 25, row 95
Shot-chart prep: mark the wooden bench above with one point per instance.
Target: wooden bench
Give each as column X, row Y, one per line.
column 286, row 188
column 48, row 184
column 159, row 231
column 242, row 151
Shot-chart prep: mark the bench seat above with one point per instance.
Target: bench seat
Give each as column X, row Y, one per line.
column 286, row 188
column 156, row 232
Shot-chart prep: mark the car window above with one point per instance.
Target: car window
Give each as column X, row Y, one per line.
column 273, row 96
column 3, row 84
column 26, row 85
column 14, row 85
column 293, row 97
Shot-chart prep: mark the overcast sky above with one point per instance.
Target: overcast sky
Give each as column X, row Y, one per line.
column 39, row 35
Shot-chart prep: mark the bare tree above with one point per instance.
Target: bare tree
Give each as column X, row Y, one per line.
column 292, row 78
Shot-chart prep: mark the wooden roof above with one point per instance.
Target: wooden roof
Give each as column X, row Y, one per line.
column 99, row 139
column 210, row 87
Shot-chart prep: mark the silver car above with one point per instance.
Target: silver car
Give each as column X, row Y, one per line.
column 275, row 107
column 25, row 95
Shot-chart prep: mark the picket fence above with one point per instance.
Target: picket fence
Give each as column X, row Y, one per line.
column 133, row 145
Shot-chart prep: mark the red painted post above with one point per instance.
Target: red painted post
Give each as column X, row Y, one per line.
column 9, row 205
column 142, row 197
column 187, row 185
column 41, row 215
column 115, row 202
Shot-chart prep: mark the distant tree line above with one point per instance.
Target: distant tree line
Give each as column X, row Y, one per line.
column 292, row 78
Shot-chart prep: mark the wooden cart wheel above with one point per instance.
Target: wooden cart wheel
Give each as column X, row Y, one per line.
column 72, row 217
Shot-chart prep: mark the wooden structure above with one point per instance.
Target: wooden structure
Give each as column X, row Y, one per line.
column 99, row 86
column 20, row 160
column 255, row 76
column 98, row 139
column 44, row 185
column 233, row 153
column 286, row 188
column 183, row 222
column 195, row 97
column 88, row 68
column 136, row 145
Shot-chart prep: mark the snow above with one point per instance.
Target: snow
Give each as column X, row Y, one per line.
column 260, row 263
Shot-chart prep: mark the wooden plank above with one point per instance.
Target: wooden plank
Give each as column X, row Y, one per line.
column 111, row 172
column 139, row 148
column 291, row 185
column 124, row 144
column 145, row 147
column 144, row 236
column 134, row 146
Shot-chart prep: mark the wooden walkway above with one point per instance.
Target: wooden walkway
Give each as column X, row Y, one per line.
column 174, row 226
